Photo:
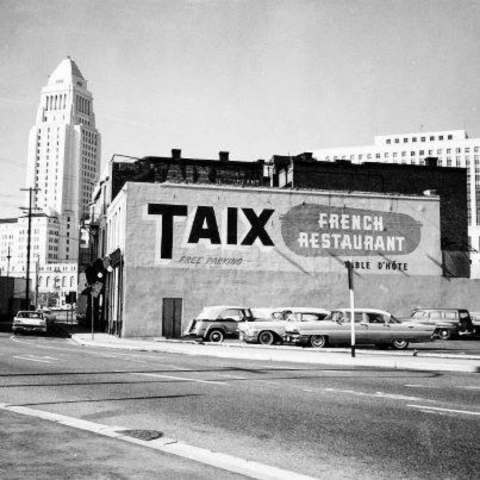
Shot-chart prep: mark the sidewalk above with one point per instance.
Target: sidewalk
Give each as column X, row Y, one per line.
column 405, row 360
column 42, row 448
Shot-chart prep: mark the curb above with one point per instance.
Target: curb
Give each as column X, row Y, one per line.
column 399, row 362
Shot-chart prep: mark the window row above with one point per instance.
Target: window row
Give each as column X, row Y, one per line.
column 430, row 138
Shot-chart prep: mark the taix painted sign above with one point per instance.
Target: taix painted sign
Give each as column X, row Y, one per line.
column 214, row 228
column 321, row 230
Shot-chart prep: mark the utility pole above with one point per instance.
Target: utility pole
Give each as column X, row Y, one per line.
column 29, row 242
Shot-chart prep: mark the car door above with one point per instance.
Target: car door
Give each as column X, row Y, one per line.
column 230, row 319
column 374, row 328
column 342, row 332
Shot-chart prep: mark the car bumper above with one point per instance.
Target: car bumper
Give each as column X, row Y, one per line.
column 296, row 338
column 29, row 328
column 248, row 337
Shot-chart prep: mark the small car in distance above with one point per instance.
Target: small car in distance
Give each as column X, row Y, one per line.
column 30, row 321
column 215, row 323
column 372, row 326
column 269, row 324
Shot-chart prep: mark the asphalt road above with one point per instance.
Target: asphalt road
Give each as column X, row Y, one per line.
column 320, row 421
column 466, row 345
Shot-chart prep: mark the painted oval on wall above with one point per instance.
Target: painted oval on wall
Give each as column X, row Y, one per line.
column 321, row 230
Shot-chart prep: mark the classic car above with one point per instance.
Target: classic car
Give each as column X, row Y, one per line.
column 269, row 324
column 215, row 323
column 372, row 326
column 448, row 322
column 29, row 321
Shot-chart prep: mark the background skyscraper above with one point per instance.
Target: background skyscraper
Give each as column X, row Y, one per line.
column 64, row 156
column 63, row 165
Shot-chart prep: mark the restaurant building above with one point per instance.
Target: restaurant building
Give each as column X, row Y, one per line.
column 173, row 246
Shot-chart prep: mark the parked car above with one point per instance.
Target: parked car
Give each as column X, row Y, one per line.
column 448, row 322
column 269, row 324
column 28, row 321
column 373, row 326
column 215, row 323
column 476, row 321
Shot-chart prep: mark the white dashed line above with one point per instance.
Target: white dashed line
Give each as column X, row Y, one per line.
column 185, row 379
column 33, row 358
column 447, row 410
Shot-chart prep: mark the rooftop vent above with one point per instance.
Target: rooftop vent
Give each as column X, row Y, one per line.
column 176, row 153
column 223, row 156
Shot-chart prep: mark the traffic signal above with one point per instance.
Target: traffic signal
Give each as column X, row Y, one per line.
column 95, row 272
column 71, row 297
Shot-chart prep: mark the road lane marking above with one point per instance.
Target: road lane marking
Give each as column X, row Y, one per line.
column 387, row 396
column 230, row 376
column 420, row 386
column 251, row 469
column 34, row 358
column 447, row 410
column 470, row 387
column 172, row 377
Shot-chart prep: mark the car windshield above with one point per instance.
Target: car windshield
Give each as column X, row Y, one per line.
column 29, row 315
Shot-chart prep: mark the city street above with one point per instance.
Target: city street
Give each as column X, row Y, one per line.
column 321, row 421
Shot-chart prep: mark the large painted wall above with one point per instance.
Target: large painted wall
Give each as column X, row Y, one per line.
column 270, row 247
column 398, row 294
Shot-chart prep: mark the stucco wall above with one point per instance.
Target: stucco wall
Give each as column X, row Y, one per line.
column 147, row 287
column 225, row 245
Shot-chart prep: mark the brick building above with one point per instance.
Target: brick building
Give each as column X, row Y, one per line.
column 449, row 183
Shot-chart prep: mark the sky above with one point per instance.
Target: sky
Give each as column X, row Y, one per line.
column 252, row 77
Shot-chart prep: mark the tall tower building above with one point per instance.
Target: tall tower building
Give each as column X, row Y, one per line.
column 64, row 156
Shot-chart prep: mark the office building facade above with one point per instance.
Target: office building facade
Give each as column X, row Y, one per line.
column 451, row 148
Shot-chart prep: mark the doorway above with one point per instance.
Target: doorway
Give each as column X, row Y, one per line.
column 172, row 317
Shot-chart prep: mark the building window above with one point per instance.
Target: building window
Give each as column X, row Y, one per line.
column 440, row 137
column 414, row 139
column 405, row 140
column 388, row 141
column 397, row 140
column 432, row 139
column 422, row 139
column 450, row 137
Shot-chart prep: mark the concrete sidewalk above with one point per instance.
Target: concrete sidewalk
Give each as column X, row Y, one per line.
column 405, row 360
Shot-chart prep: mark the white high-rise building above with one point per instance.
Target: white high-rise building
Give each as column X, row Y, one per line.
column 453, row 148
column 63, row 165
column 64, row 154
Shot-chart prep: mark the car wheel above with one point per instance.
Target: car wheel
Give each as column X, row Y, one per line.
column 266, row 338
column 445, row 334
column 318, row 341
column 216, row 336
column 400, row 344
